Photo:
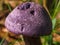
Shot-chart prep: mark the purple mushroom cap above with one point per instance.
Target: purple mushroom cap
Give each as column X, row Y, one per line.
column 29, row 19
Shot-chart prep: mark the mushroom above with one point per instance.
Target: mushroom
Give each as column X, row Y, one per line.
column 31, row 20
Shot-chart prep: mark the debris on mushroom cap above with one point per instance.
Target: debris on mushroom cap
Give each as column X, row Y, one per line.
column 29, row 19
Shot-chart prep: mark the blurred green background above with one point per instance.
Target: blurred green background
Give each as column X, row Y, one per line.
column 52, row 7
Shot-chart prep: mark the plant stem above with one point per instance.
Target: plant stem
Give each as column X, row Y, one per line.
column 32, row 40
column 45, row 6
column 56, row 9
column 9, row 7
column 2, row 41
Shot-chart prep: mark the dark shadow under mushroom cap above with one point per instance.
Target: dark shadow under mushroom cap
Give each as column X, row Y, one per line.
column 29, row 19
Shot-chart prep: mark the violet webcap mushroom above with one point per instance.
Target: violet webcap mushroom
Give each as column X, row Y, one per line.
column 31, row 20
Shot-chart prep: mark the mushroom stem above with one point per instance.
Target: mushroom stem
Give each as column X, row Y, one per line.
column 32, row 40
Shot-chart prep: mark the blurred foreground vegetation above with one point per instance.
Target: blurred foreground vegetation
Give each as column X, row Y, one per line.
column 52, row 7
